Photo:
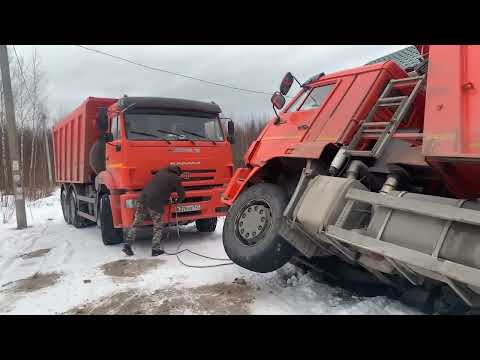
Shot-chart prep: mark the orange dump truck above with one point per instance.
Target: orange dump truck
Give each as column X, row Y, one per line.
column 370, row 171
column 106, row 150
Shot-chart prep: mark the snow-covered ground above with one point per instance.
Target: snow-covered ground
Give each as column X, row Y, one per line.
column 54, row 268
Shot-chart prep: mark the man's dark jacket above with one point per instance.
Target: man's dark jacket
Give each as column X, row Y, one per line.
column 157, row 192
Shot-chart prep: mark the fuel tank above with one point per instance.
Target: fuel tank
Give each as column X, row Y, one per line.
column 324, row 199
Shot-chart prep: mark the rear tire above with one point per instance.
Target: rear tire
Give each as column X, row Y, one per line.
column 110, row 235
column 250, row 232
column 206, row 225
column 75, row 219
column 65, row 206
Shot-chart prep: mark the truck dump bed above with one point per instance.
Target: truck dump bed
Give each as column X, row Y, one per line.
column 73, row 138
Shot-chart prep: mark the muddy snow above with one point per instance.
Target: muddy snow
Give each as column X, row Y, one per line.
column 54, row 268
column 221, row 299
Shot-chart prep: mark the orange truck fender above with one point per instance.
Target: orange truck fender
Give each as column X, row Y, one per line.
column 240, row 178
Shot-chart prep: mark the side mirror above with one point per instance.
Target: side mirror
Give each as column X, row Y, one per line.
column 108, row 137
column 278, row 100
column 102, row 120
column 286, row 83
column 231, row 132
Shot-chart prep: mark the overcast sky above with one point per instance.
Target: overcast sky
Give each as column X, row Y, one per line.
column 74, row 73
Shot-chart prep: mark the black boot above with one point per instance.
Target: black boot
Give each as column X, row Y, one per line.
column 156, row 252
column 127, row 249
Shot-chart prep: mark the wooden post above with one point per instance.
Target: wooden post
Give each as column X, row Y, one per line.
column 12, row 139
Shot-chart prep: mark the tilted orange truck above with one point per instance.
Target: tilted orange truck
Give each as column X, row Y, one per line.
column 371, row 171
column 106, row 150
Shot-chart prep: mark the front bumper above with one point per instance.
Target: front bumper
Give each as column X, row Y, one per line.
column 211, row 206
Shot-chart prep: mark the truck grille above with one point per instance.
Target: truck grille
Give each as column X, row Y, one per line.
column 195, row 171
column 196, row 199
column 198, row 171
column 198, row 175
column 201, row 187
column 199, row 178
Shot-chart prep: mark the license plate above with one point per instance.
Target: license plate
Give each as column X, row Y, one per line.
column 187, row 208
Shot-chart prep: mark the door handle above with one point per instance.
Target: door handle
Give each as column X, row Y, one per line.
column 302, row 127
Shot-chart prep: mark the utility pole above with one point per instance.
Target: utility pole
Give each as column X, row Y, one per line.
column 12, row 139
column 47, row 148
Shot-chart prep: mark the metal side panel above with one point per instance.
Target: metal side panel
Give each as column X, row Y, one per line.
column 446, row 268
column 445, row 212
column 300, row 239
column 87, row 216
column 87, row 199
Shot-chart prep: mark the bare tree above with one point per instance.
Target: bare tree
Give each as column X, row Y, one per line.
column 28, row 85
column 246, row 131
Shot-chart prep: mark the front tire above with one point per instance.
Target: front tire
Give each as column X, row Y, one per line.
column 206, row 225
column 250, row 232
column 110, row 235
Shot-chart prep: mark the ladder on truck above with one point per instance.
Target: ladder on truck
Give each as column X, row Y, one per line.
column 387, row 129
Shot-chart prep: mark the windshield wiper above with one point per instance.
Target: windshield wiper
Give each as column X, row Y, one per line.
column 176, row 134
column 168, row 132
column 143, row 133
column 148, row 134
column 200, row 136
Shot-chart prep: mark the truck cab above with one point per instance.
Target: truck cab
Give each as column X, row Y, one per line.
column 322, row 116
column 370, row 174
column 128, row 140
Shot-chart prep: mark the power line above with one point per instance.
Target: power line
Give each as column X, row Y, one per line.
column 174, row 73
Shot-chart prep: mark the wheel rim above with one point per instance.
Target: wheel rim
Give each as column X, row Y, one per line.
column 253, row 222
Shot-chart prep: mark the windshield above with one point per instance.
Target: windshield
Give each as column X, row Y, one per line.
column 314, row 98
column 172, row 126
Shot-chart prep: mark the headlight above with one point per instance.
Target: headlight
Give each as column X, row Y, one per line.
column 130, row 203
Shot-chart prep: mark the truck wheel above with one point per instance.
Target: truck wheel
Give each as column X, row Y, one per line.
column 250, row 232
column 110, row 235
column 65, row 206
column 75, row 219
column 206, row 225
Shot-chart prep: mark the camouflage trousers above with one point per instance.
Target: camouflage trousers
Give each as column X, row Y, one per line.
column 141, row 213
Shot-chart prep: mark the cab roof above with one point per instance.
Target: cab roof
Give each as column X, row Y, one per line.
column 390, row 66
column 169, row 103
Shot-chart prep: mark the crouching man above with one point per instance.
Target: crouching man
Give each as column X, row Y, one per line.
column 151, row 202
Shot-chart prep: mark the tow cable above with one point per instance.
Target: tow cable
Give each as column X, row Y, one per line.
column 178, row 251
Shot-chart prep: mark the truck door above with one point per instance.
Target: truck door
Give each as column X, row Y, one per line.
column 308, row 110
column 114, row 149
column 300, row 114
